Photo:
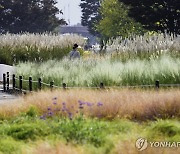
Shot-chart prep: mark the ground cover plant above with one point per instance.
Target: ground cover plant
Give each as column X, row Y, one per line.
column 53, row 135
column 86, row 121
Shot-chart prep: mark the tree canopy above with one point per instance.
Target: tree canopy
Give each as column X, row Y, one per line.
column 156, row 15
column 28, row 16
column 115, row 20
column 90, row 14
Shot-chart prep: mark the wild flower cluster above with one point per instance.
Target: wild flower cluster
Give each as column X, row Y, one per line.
column 71, row 111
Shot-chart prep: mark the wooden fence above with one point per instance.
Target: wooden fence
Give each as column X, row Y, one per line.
column 39, row 83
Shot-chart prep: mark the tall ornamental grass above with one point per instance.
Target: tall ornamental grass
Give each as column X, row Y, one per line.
column 146, row 46
column 36, row 47
column 91, row 72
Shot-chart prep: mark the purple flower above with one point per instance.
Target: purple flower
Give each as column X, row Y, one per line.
column 55, row 98
column 48, row 108
column 63, row 103
column 64, row 107
column 99, row 104
column 70, row 115
column 89, row 104
column 81, row 102
column 54, row 103
column 81, row 107
column 50, row 113
column 43, row 117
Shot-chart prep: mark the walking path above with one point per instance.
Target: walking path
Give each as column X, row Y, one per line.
column 6, row 68
column 4, row 97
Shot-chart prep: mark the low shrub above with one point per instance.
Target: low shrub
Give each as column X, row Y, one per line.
column 9, row 145
column 169, row 129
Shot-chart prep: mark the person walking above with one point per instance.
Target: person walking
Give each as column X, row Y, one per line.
column 74, row 54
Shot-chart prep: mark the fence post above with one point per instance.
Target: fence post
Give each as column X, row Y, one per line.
column 20, row 83
column 51, row 85
column 157, row 84
column 4, row 82
column 39, row 84
column 7, row 85
column 14, row 81
column 101, row 85
column 30, row 83
column 64, row 86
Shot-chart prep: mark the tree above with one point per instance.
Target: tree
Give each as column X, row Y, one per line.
column 115, row 21
column 90, row 14
column 156, row 15
column 28, row 16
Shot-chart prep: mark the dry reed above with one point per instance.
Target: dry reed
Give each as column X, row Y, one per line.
column 130, row 104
